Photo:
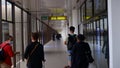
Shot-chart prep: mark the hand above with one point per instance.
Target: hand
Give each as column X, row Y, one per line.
column 65, row 43
column 17, row 52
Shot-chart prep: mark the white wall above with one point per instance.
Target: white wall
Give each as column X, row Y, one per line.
column 114, row 33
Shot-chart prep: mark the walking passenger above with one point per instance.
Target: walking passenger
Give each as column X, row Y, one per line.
column 8, row 52
column 70, row 41
column 79, row 53
column 34, row 53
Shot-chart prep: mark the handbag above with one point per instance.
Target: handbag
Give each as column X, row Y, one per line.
column 31, row 53
column 89, row 58
column 88, row 53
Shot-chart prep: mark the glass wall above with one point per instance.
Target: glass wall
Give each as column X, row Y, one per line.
column 3, row 9
column 9, row 11
column 25, row 27
column 89, row 9
column 6, row 29
column 99, row 6
column 18, row 28
column 38, row 25
column 94, row 18
column 33, row 22
column 83, row 12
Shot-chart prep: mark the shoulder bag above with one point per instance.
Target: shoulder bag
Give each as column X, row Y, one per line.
column 32, row 52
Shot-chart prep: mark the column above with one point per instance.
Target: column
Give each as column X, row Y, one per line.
column 114, row 32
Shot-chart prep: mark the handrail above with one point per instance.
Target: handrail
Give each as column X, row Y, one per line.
column 17, row 56
column 47, row 25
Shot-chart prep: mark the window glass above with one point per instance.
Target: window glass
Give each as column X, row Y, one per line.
column 25, row 27
column 101, row 30
column 18, row 28
column 33, row 26
column 38, row 25
column 83, row 12
column 90, row 32
column 9, row 11
column 94, row 32
column 88, row 9
column 17, row 15
column 6, row 30
column 105, row 24
column 3, row 10
column 99, row 5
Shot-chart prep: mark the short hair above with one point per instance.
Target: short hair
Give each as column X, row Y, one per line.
column 81, row 37
column 8, row 37
column 72, row 28
column 35, row 36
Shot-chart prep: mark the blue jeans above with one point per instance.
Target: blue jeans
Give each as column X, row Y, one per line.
column 69, row 54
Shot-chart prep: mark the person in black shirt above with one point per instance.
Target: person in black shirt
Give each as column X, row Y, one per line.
column 34, row 53
column 79, row 52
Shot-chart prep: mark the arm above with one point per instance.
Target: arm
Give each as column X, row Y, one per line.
column 10, row 51
column 26, row 52
column 66, row 41
column 42, row 53
column 88, row 50
column 73, row 56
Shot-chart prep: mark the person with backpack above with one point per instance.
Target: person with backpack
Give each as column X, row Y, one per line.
column 70, row 41
column 7, row 52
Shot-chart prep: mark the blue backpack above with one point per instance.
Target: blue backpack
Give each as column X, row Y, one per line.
column 2, row 54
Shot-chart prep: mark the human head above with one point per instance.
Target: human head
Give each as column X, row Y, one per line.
column 9, row 38
column 72, row 29
column 34, row 36
column 81, row 37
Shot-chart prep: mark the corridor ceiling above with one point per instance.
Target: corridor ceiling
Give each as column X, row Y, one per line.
column 54, row 7
column 47, row 8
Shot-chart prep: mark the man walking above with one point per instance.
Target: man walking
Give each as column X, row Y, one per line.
column 8, row 52
column 70, row 41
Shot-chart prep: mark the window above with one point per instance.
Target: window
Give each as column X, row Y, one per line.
column 9, row 11
column 18, row 28
column 83, row 12
column 99, row 5
column 4, row 9
column 88, row 9
column 6, row 29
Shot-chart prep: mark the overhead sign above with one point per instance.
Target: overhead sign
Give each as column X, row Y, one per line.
column 58, row 18
column 44, row 17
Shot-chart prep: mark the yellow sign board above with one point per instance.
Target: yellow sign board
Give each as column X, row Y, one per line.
column 57, row 10
column 58, row 18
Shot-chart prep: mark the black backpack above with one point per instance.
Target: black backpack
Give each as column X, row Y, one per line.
column 2, row 54
column 71, row 41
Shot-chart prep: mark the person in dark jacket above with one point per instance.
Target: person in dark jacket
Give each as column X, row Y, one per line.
column 79, row 59
column 35, row 59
